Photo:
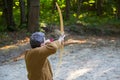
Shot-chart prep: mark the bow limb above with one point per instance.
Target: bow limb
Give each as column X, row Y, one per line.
column 61, row 19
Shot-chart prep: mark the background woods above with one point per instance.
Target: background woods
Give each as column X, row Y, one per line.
column 34, row 14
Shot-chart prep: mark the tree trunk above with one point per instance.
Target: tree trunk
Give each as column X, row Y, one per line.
column 33, row 15
column 99, row 7
column 118, row 9
column 22, row 12
column 8, row 14
column 67, row 10
column 1, row 3
column 79, row 6
column 1, row 16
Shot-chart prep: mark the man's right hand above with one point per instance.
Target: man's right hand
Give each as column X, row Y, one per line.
column 61, row 38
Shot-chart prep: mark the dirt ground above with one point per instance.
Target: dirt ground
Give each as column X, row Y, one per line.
column 90, row 58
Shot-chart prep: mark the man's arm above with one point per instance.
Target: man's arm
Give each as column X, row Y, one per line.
column 50, row 48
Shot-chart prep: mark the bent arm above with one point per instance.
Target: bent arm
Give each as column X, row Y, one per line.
column 50, row 48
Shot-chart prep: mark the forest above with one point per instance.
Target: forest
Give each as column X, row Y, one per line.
column 82, row 17
column 34, row 14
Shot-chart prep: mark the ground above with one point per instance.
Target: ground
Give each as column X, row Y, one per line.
column 87, row 58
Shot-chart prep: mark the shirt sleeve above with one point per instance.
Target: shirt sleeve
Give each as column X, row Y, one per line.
column 48, row 49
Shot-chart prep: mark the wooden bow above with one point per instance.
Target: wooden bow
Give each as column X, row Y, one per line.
column 62, row 32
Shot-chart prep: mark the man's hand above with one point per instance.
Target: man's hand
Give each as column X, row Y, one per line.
column 48, row 41
column 61, row 38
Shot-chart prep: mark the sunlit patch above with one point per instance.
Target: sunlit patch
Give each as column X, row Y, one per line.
column 74, row 15
column 17, row 3
column 85, row 3
column 114, row 10
column 14, row 7
column 112, row 40
column 74, row 74
column 91, row 1
column 19, row 42
column 1, row 13
column 72, row 41
column 63, row 6
column 43, row 24
column 8, row 47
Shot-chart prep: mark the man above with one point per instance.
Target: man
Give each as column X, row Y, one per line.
column 37, row 64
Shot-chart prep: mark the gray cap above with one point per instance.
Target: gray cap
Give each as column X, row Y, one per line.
column 37, row 38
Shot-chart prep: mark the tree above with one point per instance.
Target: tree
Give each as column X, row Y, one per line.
column 8, row 14
column 33, row 15
column 79, row 7
column 118, row 9
column 22, row 12
column 67, row 9
column 99, row 7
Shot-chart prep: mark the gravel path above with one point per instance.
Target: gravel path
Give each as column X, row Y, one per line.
column 79, row 62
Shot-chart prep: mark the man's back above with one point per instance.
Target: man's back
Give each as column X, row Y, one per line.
column 37, row 64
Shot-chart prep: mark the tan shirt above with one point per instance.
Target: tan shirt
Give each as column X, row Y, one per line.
column 37, row 64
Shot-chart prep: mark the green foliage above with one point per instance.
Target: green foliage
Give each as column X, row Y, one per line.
column 2, row 28
column 16, row 13
column 97, row 21
column 2, row 25
column 87, row 16
column 46, row 15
